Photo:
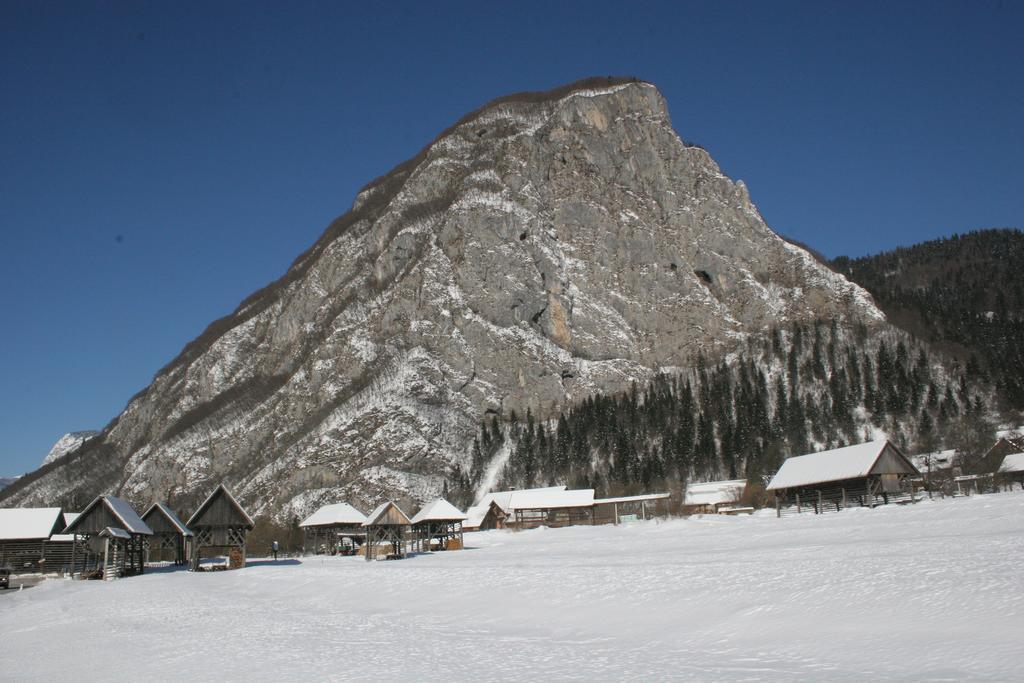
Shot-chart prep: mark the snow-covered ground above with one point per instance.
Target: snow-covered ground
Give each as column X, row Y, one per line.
column 925, row 592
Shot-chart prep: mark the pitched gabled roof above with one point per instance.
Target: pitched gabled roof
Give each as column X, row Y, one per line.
column 381, row 511
column 23, row 524
column 120, row 509
column 549, row 500
column 221, row 490
column 337, row 513
column 1012, row 463
column 168, row 513
column 439, row 511
column 115, row 532
column 714, row 492
column 631, row 499
column 504, row 498
column 851, row 462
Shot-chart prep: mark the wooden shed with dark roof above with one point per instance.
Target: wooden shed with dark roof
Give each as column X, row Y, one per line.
column 387, row 527
column 220, row 527
column 113, row 532
column 171, row 537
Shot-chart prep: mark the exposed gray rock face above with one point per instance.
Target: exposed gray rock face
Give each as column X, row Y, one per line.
column 542, row 249
column 67, row 443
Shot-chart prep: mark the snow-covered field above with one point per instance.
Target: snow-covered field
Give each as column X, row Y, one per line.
column 925, row 592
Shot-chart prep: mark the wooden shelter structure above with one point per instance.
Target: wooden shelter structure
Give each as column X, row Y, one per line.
column 333, row 529
column 438, row 523
column 630, row 508
column 531, row 509
column 220, row 527
column 388, row 527
column 1011, row 469
column 24, row 535
column 712, row 497
column 484, row 517
column 171, row 537
column 110, row 529
column 843, row 477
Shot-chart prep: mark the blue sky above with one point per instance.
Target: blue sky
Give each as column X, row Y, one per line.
column 159, row 161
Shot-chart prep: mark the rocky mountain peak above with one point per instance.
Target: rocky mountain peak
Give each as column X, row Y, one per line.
column 545, row 247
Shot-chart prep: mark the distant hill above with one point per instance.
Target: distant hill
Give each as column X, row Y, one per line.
column 964, row 294
column 7, row 481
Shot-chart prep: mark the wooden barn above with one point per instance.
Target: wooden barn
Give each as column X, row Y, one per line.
column 438, row 526
column 1011, row 469
column 113, row 534
column 220, row 527
column 529, row 509
column 858, row 475
column 171, row 538
column 630, row 508
column 386, row 527
column 713, row 497
column 484, row 517
column 24, row 535
column 333, row 529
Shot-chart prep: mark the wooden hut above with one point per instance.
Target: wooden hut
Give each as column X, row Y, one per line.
column 630, row 508
column 333, row 529
column 484, row 517
column 712, row 497
column 24, row 533
column 220, row 527
column 386, row 527
column 438, row 525
column 171, row 537
column 855, row 475
column 1011, row 469
column 528, row 509
column 109, row 521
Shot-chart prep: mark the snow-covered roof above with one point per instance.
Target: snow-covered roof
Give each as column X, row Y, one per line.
column 1012, row 463
column 170, row 515
column 125, row 513
column 503, row 498
column 475, row 516
column 115, row 532
column 20, row 524
column 439, row 510
column 630, row 499
column 70, row 517
column 380, row 512
column 851, row 462
column 544, row 500
column 336, row 513
column 939, row 460
column 714, row 492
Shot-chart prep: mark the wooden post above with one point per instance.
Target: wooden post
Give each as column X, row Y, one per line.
column 643, row 510
column 615, row 509
column 818, row 510
column 778, row 507
column 798, row 510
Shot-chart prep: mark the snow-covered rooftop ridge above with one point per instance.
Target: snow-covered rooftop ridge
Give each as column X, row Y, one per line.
column 544, row 500
column 170, row 515
column 714, row 492
column 115, row 532
column 850, row 462
column 502, row 497
column 631, row 499
column 439, row 510
column 19, row 524
column 129, row 517
column 335, row 513
column 1012, row 463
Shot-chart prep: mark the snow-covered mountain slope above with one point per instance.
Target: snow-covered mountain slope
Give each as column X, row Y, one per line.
column 547, row 246
column 7, row 481
column 920, row 592
column 67, row 443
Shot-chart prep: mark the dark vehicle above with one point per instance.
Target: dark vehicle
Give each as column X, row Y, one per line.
column 5, row 577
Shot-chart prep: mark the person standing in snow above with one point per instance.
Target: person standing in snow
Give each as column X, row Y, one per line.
column 274, row 546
